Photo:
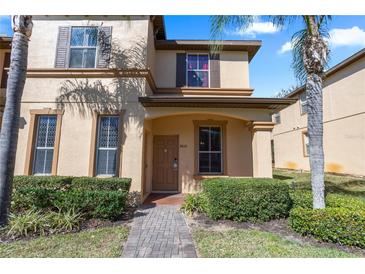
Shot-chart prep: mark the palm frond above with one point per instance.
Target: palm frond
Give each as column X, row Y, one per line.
column 220, row 23
column 283, row 20
column 298, row 43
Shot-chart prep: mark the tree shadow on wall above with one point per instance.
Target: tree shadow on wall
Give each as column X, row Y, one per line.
column 86, row 96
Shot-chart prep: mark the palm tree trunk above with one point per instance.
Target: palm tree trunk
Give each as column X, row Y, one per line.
column 315, row 134
column 315, row 53
column 10, row 124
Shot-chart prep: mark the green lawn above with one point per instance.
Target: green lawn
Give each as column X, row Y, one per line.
column 98, row 243
column 251, row 243
column 334, row 183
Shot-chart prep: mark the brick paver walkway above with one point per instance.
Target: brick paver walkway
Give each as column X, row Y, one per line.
column 159, row 232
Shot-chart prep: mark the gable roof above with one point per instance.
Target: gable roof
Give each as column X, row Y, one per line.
column 345, row 63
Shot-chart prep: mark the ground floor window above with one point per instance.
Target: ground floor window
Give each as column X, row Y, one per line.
column 107, row 145
column 305, row 143
column 44, row 144
column 210, row 149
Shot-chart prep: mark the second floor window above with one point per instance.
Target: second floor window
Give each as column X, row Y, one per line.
column 197, row 70
column 83, row 45
column 303, row 103
column 276, row 118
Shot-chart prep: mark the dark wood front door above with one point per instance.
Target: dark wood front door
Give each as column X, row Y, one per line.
column 165, row 163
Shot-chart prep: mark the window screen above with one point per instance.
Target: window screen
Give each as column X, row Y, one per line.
column 44, row 144
column 107, row 145
column 210, row 149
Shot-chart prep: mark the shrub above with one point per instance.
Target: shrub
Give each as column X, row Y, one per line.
column 108, row 184
column 246, row 199
column 94, row 197
column 32, row 197
column 34, row 222
column 47, row 182
column 304, row 199
column 338, row 225
column 92, row 204
column 194, row 203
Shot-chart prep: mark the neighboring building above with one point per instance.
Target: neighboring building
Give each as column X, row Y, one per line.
column 110, row 96
column 5, row 45
column 344, row 122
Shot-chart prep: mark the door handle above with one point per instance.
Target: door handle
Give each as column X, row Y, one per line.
column 175, row 163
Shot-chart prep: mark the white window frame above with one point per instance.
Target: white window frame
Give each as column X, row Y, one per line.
column 277, row 116
column 303, row 103
column 187, row 68
column 305, row 144
column 104, row 148
column 210, row 151
column 84, row 47
column 43, row 148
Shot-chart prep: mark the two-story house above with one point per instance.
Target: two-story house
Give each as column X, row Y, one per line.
column 5, row 45
column 110, row 96
column 343, row 118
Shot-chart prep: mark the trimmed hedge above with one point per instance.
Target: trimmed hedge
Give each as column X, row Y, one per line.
column 304, row 199
column 92, row 197
column 92, row 204
column 109, row 184
column 248, row 199
column 337, row 225
column 79, row 183
column 48, row 182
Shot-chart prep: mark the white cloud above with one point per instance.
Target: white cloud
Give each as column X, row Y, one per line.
column 285, row 47
column 347, row 37
column 338, row 38
column 257, row 27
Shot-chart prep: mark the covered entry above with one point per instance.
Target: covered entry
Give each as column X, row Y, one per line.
column 192, row 138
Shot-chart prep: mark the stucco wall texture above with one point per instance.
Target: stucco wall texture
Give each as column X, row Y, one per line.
column 344, row 125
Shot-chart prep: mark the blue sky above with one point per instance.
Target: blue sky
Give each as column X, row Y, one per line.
column 270, row 70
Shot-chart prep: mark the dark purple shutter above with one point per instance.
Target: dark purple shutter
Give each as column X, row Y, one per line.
column 63, row 41
column 180, row 69
column 4, row 76
column 215, row 74
column 104, row 46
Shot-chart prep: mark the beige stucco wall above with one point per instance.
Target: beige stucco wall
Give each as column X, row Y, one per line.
column 261, row 161
column 238, row 145
column 77, row 121
column 344, row 125
column 233, row 69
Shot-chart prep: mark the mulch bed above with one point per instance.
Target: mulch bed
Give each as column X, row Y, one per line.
column 279, row 227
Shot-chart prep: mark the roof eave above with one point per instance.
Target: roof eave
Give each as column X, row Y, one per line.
column 251, row 46
column 231, row 102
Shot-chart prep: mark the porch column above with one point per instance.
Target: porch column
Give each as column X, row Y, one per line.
column 261, row 149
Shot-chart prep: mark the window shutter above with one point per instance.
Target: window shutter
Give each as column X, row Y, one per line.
column 104, row 46
column 215, row 75
column 180, row 69
column 62, row 47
